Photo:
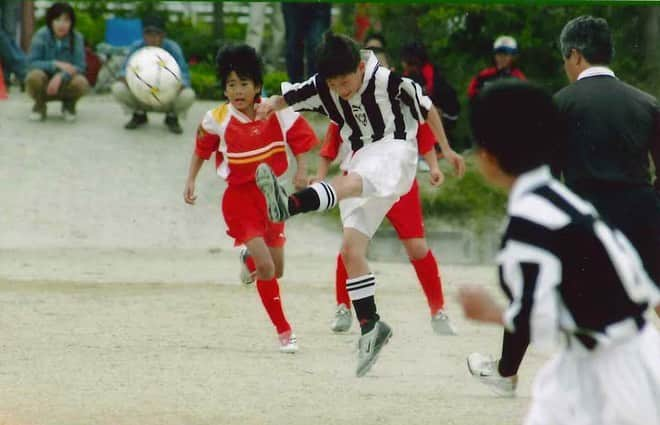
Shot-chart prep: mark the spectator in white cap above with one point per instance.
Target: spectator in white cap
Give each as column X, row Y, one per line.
column 505, row 52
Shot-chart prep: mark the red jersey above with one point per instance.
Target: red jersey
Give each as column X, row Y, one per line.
column 241, row 144
column 332, row 142
column 490, row 74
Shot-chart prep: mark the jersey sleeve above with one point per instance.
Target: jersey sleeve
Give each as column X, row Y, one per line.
column 300, row 136
column 412, row 95
column 530, row 276
column 425, row 139
column 331, row 142
column 206, row 141
column 303, row 96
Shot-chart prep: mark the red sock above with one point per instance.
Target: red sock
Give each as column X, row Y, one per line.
column 429, row 277
column 269, row 291
column 249, row 262
column 340, row 283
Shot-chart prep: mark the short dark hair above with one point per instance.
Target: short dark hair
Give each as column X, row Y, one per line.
column 337, row 55
column 375, row 36
column 241, row 59
column 55, row 11
column 153, row 22
column 518, row 123
column 414, row 53
column 590, row 36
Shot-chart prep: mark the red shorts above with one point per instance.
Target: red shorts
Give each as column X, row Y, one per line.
column 244, row 211
column 406, row 214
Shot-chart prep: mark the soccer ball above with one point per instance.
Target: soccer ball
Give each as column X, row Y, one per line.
column 153, row 76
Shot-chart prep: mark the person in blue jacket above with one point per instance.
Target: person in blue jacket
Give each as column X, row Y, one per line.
column 154, row 35
column 56, row 64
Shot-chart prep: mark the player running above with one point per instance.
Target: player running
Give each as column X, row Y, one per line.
column 241, row 142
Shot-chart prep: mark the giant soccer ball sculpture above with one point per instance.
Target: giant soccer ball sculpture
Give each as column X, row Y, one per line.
column 153, row 76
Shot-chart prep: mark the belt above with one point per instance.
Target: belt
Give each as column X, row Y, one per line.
column 614, row 332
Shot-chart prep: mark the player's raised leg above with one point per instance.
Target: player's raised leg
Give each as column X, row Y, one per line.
column 317, row 197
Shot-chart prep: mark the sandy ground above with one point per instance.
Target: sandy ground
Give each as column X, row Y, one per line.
column 119, row 304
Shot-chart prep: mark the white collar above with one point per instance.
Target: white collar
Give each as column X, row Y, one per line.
column 240, row 115
column 528, row 182
column 370, row 66
column 595, row 71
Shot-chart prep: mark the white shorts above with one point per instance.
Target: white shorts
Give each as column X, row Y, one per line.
column 619, row 385
column 388, row 170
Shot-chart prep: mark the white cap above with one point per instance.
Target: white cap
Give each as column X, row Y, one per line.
column 505, row 44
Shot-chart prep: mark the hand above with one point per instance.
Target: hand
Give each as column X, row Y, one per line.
column 436, row 177
column 189, row 193
column 315, row 179
column 300, row 180
column 456, row 161
column 263, row 109
column 478, row 304
column 66, row 67
column 54, row 85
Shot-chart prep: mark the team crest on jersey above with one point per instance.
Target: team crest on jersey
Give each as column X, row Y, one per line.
column 359, row 114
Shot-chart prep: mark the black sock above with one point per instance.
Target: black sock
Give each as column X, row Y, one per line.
column 513, row 351
column 365, row 310
column 318, row 196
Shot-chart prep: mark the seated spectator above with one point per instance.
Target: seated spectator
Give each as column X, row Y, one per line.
column 56, row 64
column 154, row 35
column 505, row 55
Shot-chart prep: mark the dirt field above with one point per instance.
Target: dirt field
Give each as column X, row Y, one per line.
column 119, row 304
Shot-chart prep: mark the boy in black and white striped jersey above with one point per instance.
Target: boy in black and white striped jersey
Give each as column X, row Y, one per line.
column 378, row 113
column 569, row 276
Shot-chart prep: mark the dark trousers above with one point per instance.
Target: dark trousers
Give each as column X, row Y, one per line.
column 635, row 210
column 305, row 24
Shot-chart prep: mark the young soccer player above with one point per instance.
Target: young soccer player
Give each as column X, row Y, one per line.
column 241, row 142
column 569, row 276
column 407, row 219
column 378, row 113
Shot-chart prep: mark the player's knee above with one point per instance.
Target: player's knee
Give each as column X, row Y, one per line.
column 351, row 254
column 265, row 270
column 279, row 271
column 416, row 248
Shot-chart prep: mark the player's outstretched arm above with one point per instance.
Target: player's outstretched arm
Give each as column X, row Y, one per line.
column 454, row 159
column 300, row 178
column 322, row 170
column 189, row 192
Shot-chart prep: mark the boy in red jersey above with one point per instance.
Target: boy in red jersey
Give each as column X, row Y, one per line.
column 241, row 143
column 407, row 219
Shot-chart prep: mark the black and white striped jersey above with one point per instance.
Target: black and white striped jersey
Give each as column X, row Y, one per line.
column 387, row 106
column 566, row 271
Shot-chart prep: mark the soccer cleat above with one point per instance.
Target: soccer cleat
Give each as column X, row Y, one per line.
column 246, row 275
column 370, row 344
column 276, row 197
column 288, row 343
column 442, row 325
column 343, row 319
column 484, row 368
